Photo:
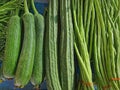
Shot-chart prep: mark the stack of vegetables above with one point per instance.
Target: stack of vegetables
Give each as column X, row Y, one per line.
column 74, row 33
column 107, row 43
column 59, row 46
column 96, row 30
column 24, row 46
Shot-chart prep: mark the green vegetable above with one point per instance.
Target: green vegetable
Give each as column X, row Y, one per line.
column 66, row 56
column 51, row 55
column 80, row 45
column 37, row 74
column 12, row 47
column 26, row 60
column 7, row 9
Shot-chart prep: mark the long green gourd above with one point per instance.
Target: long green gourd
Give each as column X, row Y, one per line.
column 37, row 74
column 12, row 47
column 51, row 57
column 6, row 7
column 26, row 60
column 66, row 51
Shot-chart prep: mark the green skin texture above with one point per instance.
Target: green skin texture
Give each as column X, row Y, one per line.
column 12, row 47
column 66, row 47
column 26, row 60
column 37, row 74
column 81, row 48
column 52, row 75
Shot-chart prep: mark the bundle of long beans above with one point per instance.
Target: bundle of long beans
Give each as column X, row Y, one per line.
column 81, row 26
column 97, row 36
column 107, row 44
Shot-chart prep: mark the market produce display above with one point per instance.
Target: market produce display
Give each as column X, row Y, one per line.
column 75, row 45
